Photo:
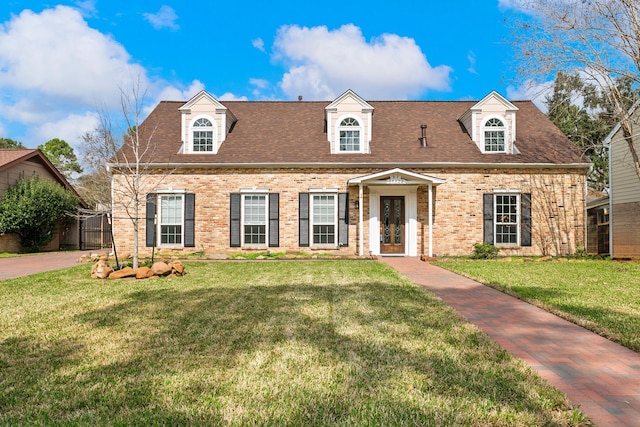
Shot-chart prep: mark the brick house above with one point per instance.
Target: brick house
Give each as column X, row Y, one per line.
column 355, row 177
column 20, row 163
column 617, row 217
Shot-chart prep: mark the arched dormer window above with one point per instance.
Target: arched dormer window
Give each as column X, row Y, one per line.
column 349, row 131
column 202, row 135
column 494, row 135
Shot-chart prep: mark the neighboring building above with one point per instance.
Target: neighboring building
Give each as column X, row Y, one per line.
column 18, row 163
column 598, row 238
column 355, row 177
column 624, row 191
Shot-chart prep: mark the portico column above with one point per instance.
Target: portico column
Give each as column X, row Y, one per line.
column 430, row 220
column 360, row 220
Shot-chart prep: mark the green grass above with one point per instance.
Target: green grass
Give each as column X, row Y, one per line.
column 310, row 343
column 603, row 296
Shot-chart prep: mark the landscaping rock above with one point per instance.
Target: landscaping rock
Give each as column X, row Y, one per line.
column 144, row 273
column 177, row 267
column 125, row 272
column 161, row 268
column 101, row 270
column 544, row 258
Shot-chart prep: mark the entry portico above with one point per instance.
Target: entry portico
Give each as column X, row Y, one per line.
column 393, row 211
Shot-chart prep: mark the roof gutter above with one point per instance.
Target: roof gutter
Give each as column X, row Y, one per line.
column 182, row 165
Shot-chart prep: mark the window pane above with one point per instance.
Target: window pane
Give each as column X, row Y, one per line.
column 171, row 209
column 254, row 234
column 171, row 234
column 349, row 140
column 324, row 235
column 494, row 140
column 203, row 140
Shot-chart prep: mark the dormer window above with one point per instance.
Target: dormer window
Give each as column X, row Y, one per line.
column 202, row 135
column 494, row 130
column 349, row 134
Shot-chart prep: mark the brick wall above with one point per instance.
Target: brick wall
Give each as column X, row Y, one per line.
column 558, row 206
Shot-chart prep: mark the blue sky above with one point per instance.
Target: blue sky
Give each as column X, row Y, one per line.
column 62, row 62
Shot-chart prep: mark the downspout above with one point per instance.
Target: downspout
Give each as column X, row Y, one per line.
column 360, row 220
column 610, row 202
column 430, row 220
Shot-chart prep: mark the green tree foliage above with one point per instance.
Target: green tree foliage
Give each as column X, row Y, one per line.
column 10, row 143
column 33, row 209
column 586, row 115
column 576, row 108
column 61, row 154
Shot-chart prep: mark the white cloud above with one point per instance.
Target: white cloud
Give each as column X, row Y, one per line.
column 260, row 83
column 56, row 71
column 70, row 129
column 228, row 96
column 258, row 44
column 165, row 18
column 534, row 91
column 471, row 56
column 323, row 63
column 56, row 55
column 172, row 93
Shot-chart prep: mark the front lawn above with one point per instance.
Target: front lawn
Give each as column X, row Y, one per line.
column 256, row 343
column 603, row 296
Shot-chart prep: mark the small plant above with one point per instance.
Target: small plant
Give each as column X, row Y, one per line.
column 484, row 251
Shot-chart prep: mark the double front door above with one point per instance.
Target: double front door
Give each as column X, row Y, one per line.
column 392, row 225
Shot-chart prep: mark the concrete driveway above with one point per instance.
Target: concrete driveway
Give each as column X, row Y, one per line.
column 29, row 264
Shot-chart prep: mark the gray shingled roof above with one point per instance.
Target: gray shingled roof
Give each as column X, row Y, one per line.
column 293, row 132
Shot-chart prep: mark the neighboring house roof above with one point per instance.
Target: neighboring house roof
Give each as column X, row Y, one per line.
column 11, row 157
column 279, row 133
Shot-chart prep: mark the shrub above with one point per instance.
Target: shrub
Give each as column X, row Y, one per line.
column 33, row 209
column 484, row 251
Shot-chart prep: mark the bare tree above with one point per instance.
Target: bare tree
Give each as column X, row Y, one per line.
column 597, row 39
column 120, row 150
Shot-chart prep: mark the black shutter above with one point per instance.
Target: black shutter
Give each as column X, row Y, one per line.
column 303, row 219
column 151, row 220
column 525, row 219
column 487, row 216
column 343, row 219
column 274, row 221
column 234, row 226
column 189, row 220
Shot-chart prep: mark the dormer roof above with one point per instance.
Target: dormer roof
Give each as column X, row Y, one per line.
column 365, row 106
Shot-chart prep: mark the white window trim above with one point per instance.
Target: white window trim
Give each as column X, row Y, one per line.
column 327, row 192
column 214, row 132
column 168, row 192
column 486, row 128
column 507, row 192
column 359, row 128
column 254, row 192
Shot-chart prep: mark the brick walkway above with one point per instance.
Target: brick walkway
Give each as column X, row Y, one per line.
column 601, row 377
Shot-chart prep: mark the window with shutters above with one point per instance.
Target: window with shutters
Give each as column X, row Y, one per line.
column 507, row 219
column 254, row 219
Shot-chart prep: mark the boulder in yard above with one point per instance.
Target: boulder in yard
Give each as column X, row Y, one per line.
column 125, row 272
column 144, row 273
column 161, row 268
column 101, row 270
column 177, row 267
